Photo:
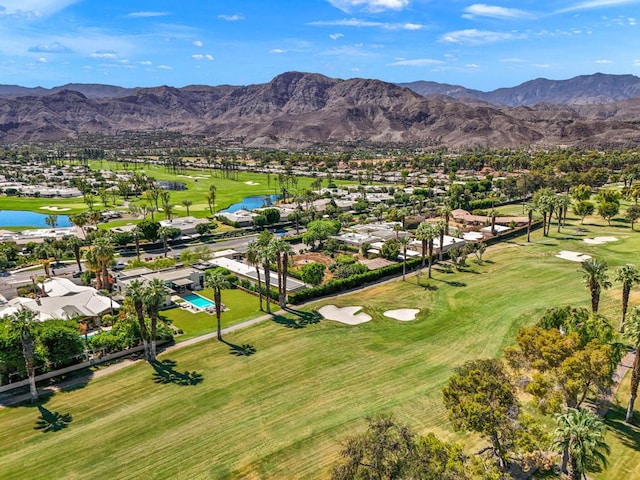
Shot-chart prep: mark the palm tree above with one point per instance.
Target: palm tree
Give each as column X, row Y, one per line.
column 595, row 277
column 211, row 199
column 187, row 203
column 253, row 259
column 628, row 275
column 163, row 232
column 74, row 244
column 104, row 252
column 217, row 282
column 529, row 208
column 80, row 221
column 93, row 265
column 404, row 241
column 580, row 437
column 154, row 295
column 167, row 208
column 632, row 333
column 441, row 227
column 426, row 233
column 267, row 257
column 23, row 322
column 445, row 211
column 136, row 292
column 281, row 250
column 136, row 239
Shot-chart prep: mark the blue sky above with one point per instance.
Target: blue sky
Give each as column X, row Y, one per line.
column 478, row 45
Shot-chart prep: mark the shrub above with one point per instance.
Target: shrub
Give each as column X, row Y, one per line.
column 313, row 273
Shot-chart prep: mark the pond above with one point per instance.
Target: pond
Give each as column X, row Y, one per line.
column 251, row 203
column 20, row 218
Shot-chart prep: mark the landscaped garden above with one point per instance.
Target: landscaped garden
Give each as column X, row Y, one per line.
column 283, row 410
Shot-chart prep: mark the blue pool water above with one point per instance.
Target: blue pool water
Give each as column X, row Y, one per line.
column 198, row 301
column 19, row 218
column 250, row 203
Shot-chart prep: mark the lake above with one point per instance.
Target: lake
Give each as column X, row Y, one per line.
column 250, row 203
column 20, row 218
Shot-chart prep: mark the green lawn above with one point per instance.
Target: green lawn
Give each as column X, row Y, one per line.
column 282, row 412
column 197, row 181
column 240, row 305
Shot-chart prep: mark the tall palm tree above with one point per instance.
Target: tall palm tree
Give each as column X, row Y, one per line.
column 282, row 250
column 187, row 203
column 136, row 292
column 580, row 437
column 94, row 266
column 427, row 233
column 529, row 209
column 217, row 282
column 163, row 232
column 267, row 257
column 628, row 275
column 24, row 322
column 80, row 220
column 253, row 259
column 167, row 208
column 441, row 227
column 404, row 241
column 632, row 333
column 445, row 212
column 104, row 253
column 74, row 244
column 136, row 239
column 595, row 278
column 154, row 295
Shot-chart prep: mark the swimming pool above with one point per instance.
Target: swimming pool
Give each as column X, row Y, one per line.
column 198, row 301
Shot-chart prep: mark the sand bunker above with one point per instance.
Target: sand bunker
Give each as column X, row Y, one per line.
column 251, row 183
column 53, row 208
column 402, row 314
column 573, row 256
column 599, row 240
column 344, row 315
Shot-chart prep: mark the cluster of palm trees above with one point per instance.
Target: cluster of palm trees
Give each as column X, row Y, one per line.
column 596, row 279
column 98, row 258
column 267, row 250
column 146, row 299
column 427, row 232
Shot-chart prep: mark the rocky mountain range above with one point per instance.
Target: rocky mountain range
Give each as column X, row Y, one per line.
column 298, row 110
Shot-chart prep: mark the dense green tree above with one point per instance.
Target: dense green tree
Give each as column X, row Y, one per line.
column 633, row 213
column 312, row 273
column 583, row 208
column 581, row 192
column 149, row 230
column 608, row 210
column 480, row 397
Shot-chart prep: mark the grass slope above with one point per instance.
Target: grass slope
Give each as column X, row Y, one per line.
column 282, row 412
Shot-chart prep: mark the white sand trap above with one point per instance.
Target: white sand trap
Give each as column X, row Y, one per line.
column 402, row 314
column 344, row 315
column 599, row 240
column 573, row 256
column 53, row 208
column 251, row 183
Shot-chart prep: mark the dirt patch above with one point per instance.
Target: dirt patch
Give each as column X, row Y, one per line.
column 301, row 259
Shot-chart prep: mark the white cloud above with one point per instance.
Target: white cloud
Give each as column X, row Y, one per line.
column 43, row 60
column 53, row 47
column 231, row 18
column 373, row 6
column 164, row 67
column 34, row 8
column 277, row 51
column 198, row 43
column 355, row 22
column 592, row 4
column 482, row 10
column 513, row 60
column 604, row 62
column 103, row 54
column 418, row 62
column 472, row 65
column 199, row 56
column 478, row 37
column 541, row 65
column 636, row 63
column 147, row 14
column 146, row 63
column 335, row 36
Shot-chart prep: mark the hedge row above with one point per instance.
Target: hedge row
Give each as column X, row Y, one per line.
column 341, row 284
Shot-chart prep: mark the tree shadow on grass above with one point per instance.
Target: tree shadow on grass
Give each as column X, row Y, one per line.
column 165, row 372
column 303, row 318
column 629, row 435
column 49, row 421
column 453, row 283
column 244, row 350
